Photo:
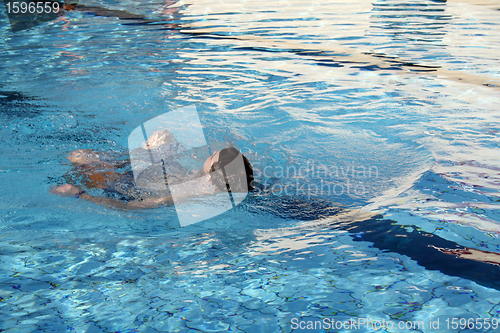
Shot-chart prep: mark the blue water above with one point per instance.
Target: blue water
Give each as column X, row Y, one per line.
column 412, row 160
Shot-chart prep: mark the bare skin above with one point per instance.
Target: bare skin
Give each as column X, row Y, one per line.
column 84, row 156
column 81, row 157
column 68, row 190
column 473, row 254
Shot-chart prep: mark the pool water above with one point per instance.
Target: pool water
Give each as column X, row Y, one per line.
column 375, row 123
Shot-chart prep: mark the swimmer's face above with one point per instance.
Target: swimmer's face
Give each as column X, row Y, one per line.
column 210, row 161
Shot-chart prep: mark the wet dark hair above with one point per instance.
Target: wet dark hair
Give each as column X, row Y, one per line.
column 239, row 182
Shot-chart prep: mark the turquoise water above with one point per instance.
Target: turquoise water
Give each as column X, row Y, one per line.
column 411, row 154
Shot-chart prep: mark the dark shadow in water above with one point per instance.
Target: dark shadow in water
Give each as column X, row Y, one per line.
column 14, row 104
column 13, row 96
column 135, row 19
column 22, row 17
column 428, row 250
column 23, row 21
column 291, row 208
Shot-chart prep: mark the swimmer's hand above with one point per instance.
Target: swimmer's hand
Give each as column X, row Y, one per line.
column 66, row 190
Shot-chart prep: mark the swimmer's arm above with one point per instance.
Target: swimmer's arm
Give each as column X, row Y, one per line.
column 133, row 204
column 72, row 190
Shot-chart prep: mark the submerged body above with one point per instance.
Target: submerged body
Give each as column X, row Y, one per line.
column 147, row 186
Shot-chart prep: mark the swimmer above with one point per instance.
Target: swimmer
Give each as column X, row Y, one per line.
column 97, row 172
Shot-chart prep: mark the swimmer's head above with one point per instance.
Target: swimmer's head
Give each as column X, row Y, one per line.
column 237, row 180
